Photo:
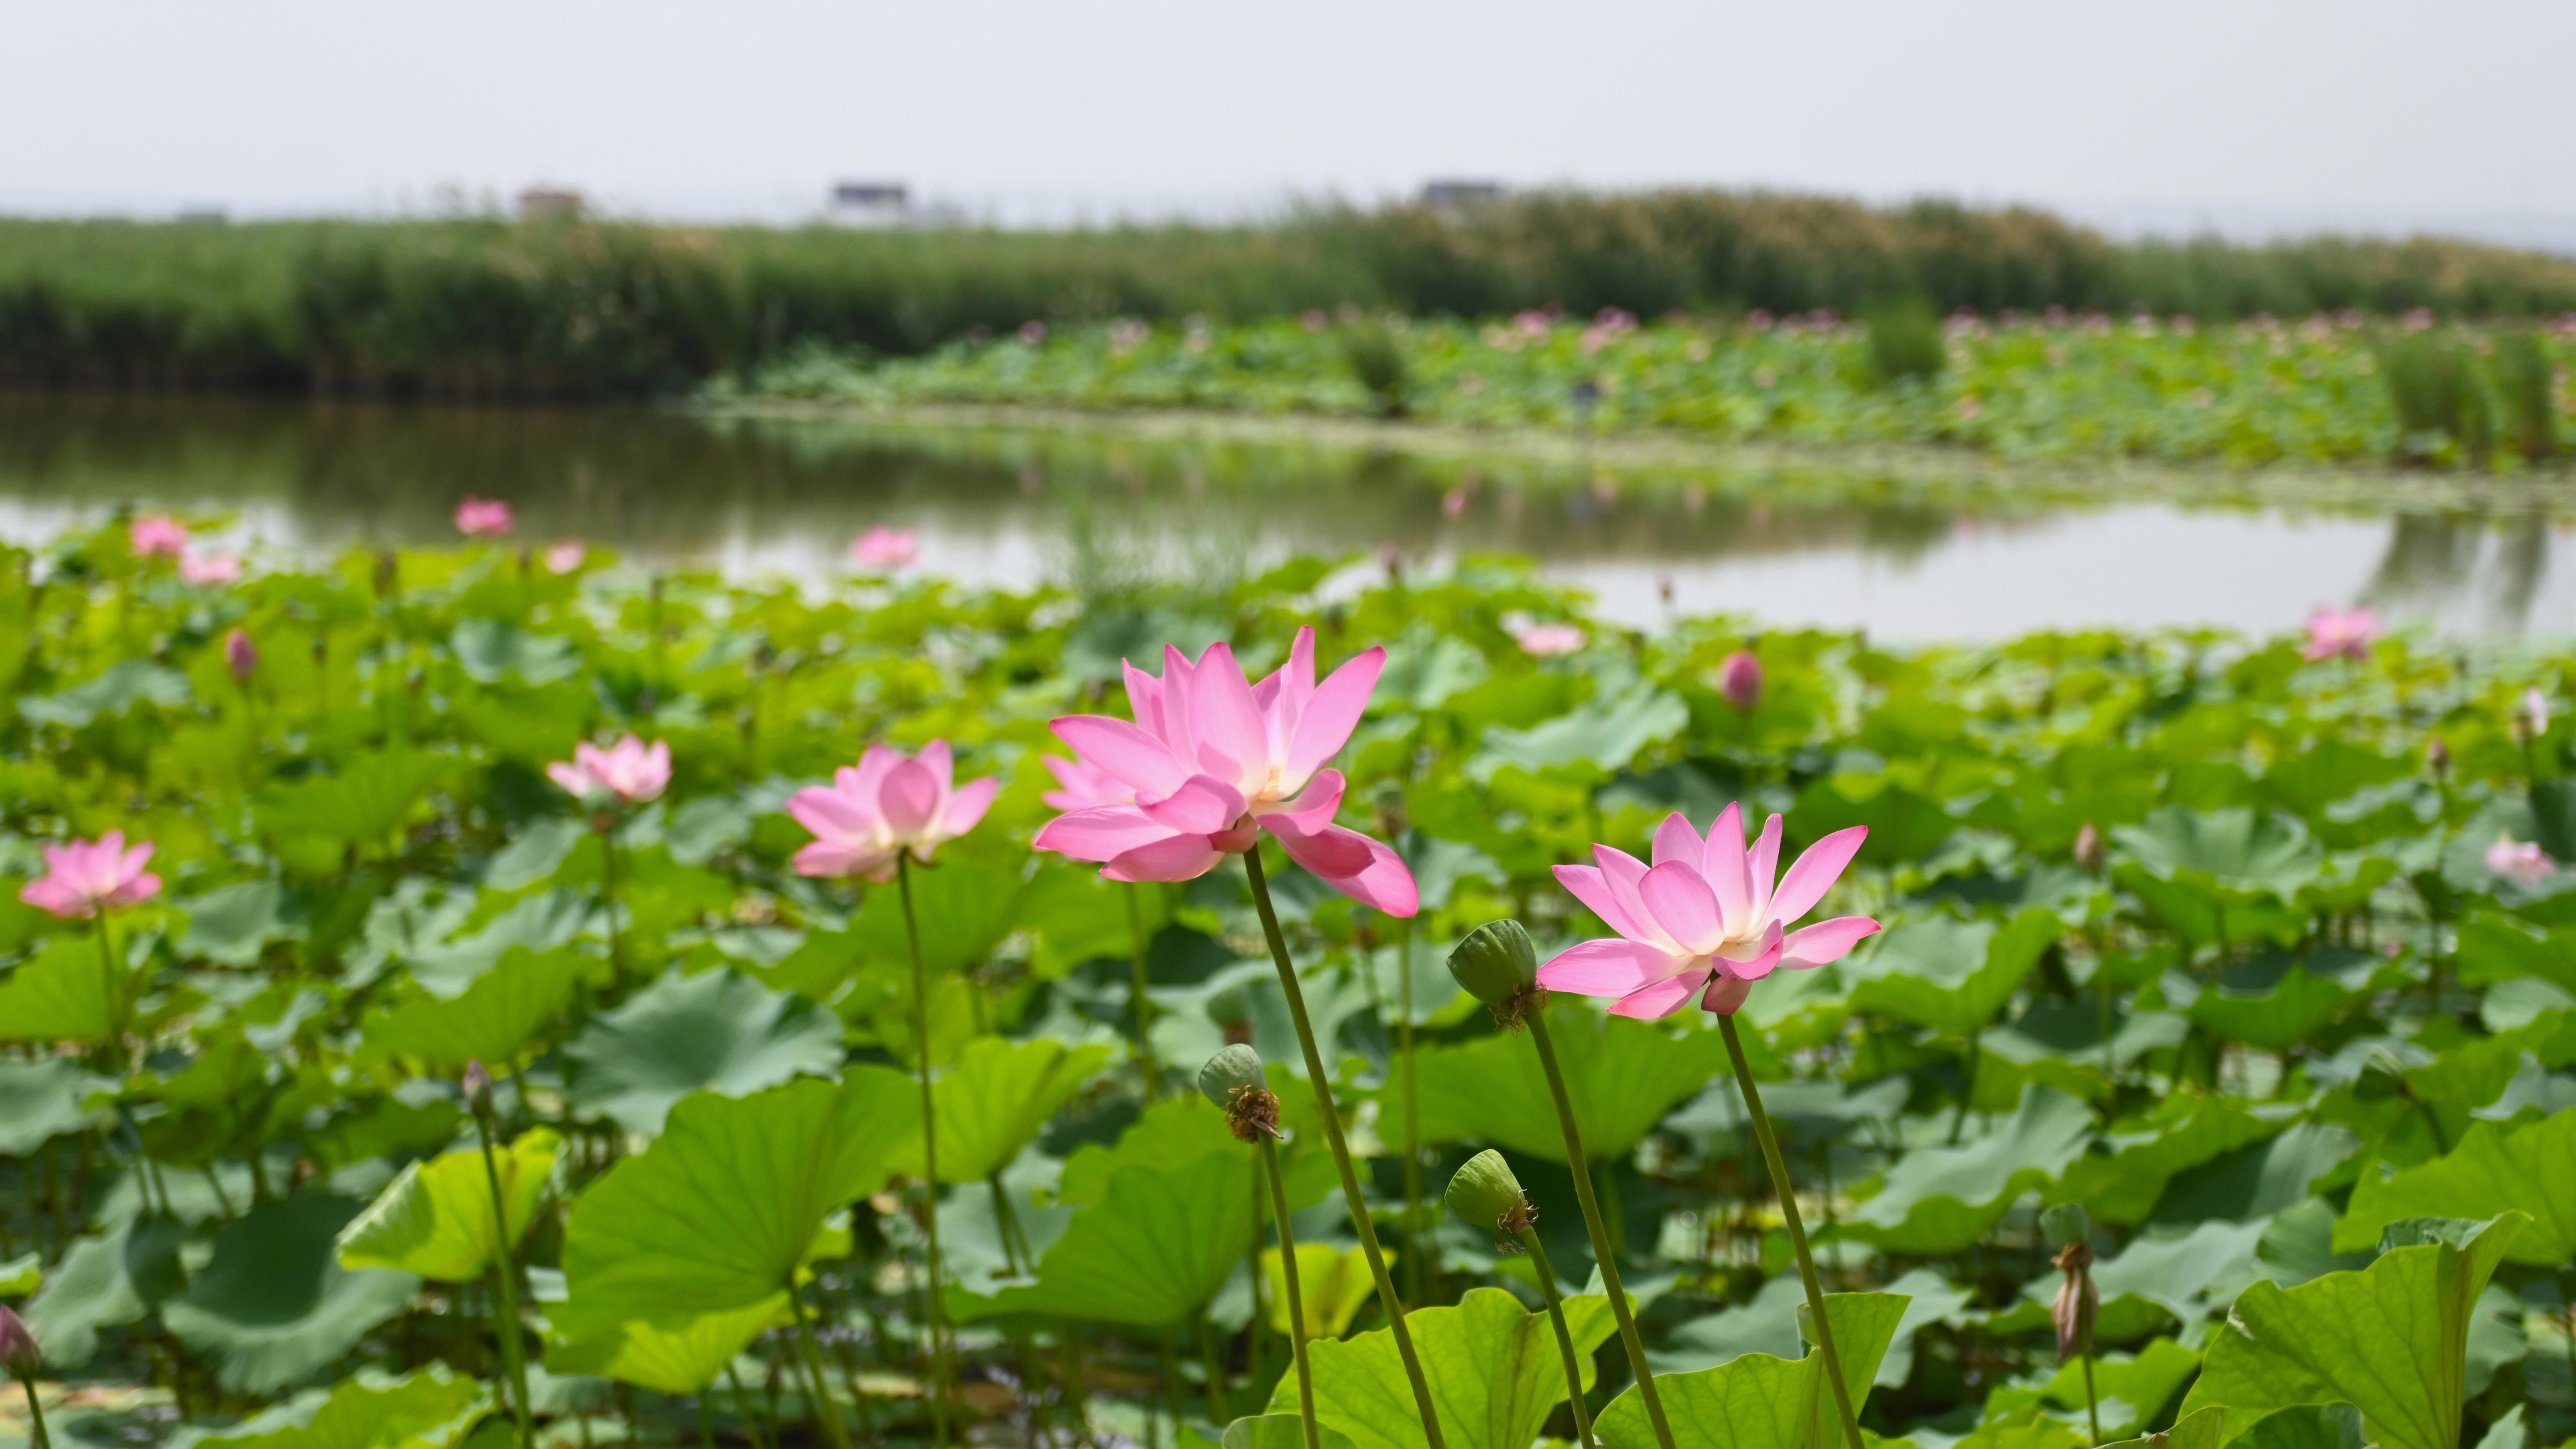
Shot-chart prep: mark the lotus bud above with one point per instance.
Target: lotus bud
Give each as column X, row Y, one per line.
column 2535, row 711
column 240, row 656
column 2437, row 757
column 1739, row 679
column 2088, row 848
column 1498, row 966
column 2076, row 1304
column 478, row 1088
column 388, row 571
column 1484, row 1194
column 1233, row 1080
column 18, row 1351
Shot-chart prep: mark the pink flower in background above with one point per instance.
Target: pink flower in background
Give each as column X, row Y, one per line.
column 1739, row 679
column 241, row 657
column 209, row 570
column 2520, row 861
column 1083, row 785
column 2535, row 711
column 884, row 548
column 83, row 876
column 630, row 769
column 482, row 517
column 1704, row 919
column 564, row 557
column 156, row 533
column 1546, row 641
column 2347, row 632
column 888, row 804
column 1213, row 760
column 1453, row 504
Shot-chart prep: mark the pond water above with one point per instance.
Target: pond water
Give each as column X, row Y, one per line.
column 1018, row 505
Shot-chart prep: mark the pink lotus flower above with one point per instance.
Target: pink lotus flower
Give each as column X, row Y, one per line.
column 82, row 876
column 209, row 570
column 1739, row 680
column 1547, row 641
column 884, row 548
column 2520, row 861
column 1083, row 785
column 482, row 517
column 562, row 558
column 890, row 803
column 241, row 656
column 2347, row 632
column 156, row 533
column 1705, row 918
column 1214, row 760
column 2535, row 711
column 630, row 770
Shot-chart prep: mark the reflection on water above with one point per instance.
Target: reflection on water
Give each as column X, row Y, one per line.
column 1016, row 505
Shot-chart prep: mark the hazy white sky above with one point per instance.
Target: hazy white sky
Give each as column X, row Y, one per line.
column 2363, row 112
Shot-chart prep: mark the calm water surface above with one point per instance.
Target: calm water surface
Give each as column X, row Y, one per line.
column 1018, row 506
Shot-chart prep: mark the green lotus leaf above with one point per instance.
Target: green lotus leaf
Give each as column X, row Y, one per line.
column 496, row 1022
column 1623, row 1076
column 104, row 1282
column 1937, row 1200
column 964, row 910
column 2301, row 1426
column 489, row 650
column 2122, row 1186
column 59, row 994
column 727, row 1204
column 1153, row 1250
column 2202, row 1428
column 2497, row 1167
column 22, row 1275
column 43, row 1099
column 541, row 922
column 1493, row 1366
column 275, row 1307
column 672, row 1352
column 1761, row 1402
column 361, row 804
column 115, row 690
column 431, row 1409
column 435, row 1219
column 995, row 1100
column 2493, row 949
column 1590, row 740
column 1278, row 1431
column 717, row 1031
column 2133, row 1389
column 1332, row 1286
column 1949, row 974
column 231, row 924
column 2390, row 1339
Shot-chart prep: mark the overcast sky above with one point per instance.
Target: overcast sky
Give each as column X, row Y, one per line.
column 2241, row 113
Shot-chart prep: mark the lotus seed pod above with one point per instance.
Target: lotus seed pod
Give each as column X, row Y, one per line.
column 2065, row 1223
column 1496, row 964
column 18, row 1352
column 1484, row 1194
column 1236, row 1069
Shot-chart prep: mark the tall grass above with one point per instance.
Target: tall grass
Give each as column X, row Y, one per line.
column 484, row 308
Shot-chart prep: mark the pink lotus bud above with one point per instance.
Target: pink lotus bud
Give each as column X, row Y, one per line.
column 565, row 557
column 2088, row 848
column 1739, row 679
column 478, row 1087
column 18, row 1351
column 2437, row 757
column 240, row 656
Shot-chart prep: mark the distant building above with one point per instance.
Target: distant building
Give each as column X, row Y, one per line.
column 548, row 203
column 1449, row 194
column 871, row 201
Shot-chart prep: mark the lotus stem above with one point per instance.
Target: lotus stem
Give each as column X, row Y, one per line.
column 938, row 1314
column 40, row 1439
column 1415, row 1270
column 608, row 900
column 1603, row 1252
column 1296, row 1291
column 1323, row 1086
column 742, row 1407
column 505, row 1291
column 1797, row 1230
column 824, row 1409
column 1564, row 1339
column 113, row 988
column 1144, row 1002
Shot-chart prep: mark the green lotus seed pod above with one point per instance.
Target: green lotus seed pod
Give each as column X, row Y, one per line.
column 2064, row 1224
column 1496, row 964
column 1229, row 1072
column 1484, row 1194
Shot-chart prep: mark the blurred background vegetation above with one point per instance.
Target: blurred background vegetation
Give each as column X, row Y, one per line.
column 575, row 308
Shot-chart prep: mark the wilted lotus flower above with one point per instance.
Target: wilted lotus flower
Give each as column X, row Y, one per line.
column 1739, row 680
column 1214, row 760
column 18, row 1352
column 1547, row 641
column 2072, row 1314
column 888, row 804
column 482, row 517
column 630, row 770
column 209, row 570
column 562, row 558
column 884, row 548
column 1704, row 918
column 156, row 533
column 2347, row 632
column 2520, row 861
column 241, row 656
column 83, row 876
